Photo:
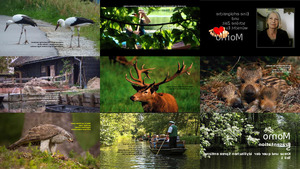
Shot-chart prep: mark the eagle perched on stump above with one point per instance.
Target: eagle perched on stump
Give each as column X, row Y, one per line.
column 47, row 136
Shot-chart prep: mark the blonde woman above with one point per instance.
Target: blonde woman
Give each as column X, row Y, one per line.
column 273, row 35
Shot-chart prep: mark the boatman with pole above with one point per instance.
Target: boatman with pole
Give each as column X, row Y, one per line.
column 172, row 131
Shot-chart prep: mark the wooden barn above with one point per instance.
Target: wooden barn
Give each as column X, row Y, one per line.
column 50, row 67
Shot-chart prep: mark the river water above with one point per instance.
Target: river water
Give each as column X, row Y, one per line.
column 138, row 155
column 270, row 160
column 158, row 19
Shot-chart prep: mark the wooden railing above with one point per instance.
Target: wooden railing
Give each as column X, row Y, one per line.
column 59, row 78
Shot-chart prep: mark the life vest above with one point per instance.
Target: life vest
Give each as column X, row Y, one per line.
column 174, row 131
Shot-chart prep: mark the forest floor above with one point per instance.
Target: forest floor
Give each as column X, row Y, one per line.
column 38, row 159
column 288, row 102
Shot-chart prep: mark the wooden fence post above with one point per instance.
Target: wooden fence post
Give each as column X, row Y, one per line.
column 67, row 99
column 21, row 93
column 92, row 100
column 59, row 98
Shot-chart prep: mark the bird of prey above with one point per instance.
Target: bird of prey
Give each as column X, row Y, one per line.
column 47, row 136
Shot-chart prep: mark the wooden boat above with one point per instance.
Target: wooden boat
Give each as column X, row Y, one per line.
column 179, row 150
column 71, row 109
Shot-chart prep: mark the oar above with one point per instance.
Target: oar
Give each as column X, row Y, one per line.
column 161, row 146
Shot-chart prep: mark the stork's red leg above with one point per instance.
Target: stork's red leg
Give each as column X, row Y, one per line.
column 21, row 35
column 71, row 41
column 78, row 29
column 71, row 37
column 25, row 37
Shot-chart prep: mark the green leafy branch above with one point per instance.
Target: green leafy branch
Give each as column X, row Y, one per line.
column 114, row 20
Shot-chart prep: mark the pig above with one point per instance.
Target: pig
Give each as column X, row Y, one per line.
column 268, row 99
column 230, row 94
column 250, row 79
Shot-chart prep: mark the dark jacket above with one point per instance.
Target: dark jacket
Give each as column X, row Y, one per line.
column 282, row 39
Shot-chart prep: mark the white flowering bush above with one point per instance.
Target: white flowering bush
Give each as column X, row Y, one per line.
column 251, row 141
column 268, row 130
column 228, row 128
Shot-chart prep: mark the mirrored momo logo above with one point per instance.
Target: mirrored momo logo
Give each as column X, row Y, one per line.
column 282, row 136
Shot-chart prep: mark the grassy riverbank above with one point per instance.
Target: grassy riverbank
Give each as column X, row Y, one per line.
column 52, row 10
column 191, row 139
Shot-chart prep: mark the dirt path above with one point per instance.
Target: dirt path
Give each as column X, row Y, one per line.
column 61, row 40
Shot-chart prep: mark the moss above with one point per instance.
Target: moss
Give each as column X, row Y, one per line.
column 38, row 159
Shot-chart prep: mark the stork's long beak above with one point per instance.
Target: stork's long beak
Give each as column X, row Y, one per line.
column 57, row 26
column 6, row 27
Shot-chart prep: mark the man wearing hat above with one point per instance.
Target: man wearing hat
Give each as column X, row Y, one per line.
column 172, row 131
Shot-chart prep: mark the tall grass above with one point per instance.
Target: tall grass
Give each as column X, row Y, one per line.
column 52, row 10
column 116, row 91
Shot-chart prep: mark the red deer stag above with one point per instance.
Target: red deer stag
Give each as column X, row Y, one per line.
column 122, row 60
column 146, row 93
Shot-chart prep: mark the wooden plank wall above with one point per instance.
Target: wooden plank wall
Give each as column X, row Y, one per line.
column 85, row 99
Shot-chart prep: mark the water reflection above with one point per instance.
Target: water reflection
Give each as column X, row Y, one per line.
column 156, row 19
column 43, row 107
column 24, row 107
column 138, row 155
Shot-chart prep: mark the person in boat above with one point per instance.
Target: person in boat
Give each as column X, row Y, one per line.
column 141, row 31
column 162, row 137
column 154, row 140
column 172, row 131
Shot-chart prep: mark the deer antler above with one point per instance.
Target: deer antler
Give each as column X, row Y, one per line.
column 139, row 81
column 179, row 72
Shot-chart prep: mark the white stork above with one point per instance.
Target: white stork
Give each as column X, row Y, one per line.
column 72, row 22
column 21, row 20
